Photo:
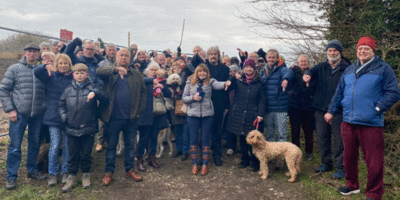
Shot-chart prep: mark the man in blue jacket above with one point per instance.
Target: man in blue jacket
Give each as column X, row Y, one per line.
column 366, row 90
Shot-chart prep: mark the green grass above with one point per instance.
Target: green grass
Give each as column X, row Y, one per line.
column 30, row 192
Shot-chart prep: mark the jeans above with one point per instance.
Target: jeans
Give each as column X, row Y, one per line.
column 113, row 128
column 56, row 137
column 179, row 136
column 144, row 132
column 100, row 134
column 197, row 123
column 80, row 153
column 276, row 122
column 16, row 133
column 185, row 139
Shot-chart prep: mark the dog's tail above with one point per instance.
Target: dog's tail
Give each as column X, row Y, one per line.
column 298, row 162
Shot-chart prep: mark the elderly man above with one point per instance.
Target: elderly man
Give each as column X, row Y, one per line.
column 277, row 98
column 22, row 97
column 326, row 76
column 301, row 113
column 219, row 98
column 133, row 51
column 366, row 90
column 88, row 58
column 127, row 91
column 160, row 59
column 111, row 52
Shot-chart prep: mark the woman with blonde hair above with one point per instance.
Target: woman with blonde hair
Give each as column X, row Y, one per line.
column 197, row 95
column 56, row 76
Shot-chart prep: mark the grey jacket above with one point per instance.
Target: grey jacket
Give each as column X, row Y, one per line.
column 205, row 107
column 20, row 90
column 106, row 62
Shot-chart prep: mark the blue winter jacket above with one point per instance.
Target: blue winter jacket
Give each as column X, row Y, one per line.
column 277, row 99
column 91, row 63
column 54, row 88
column 359, row 93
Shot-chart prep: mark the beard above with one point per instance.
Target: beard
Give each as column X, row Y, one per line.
column 334, row 58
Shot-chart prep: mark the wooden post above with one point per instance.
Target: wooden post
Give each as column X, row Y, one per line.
column 129, row 40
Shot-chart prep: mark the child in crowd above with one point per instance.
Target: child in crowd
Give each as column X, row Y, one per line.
column 78, row 111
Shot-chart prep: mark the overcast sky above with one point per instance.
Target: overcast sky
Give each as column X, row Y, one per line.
column 153, row 24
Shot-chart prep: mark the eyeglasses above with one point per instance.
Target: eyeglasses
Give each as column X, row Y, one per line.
column 89, row 49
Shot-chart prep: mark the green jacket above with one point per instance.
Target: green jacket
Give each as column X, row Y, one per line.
column 137, row 88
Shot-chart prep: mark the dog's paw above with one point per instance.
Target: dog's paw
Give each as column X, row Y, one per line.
column 170, row 153
column 260, row 172
column 264, row 177
column 287, row 174
column 158, row 156
column 291, row 180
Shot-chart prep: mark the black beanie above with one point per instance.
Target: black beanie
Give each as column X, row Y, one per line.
column 335, row 44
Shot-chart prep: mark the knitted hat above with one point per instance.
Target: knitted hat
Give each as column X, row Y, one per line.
column 234, row 67
column 335, row 44
column 366, row 41
column 249, row 62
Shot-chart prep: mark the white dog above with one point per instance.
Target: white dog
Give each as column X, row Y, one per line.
column 173, row 81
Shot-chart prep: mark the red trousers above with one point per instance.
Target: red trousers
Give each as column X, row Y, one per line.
column 371, row 141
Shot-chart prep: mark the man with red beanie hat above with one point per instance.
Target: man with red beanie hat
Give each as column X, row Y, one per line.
column 366, row 90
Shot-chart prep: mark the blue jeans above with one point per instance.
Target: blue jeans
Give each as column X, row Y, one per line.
column 17, row 131
column 276, row 122
column 179, row 130
column 197, row 123
column 185, row 139
column 56, row 137
column 144, row 132
column 112, row 130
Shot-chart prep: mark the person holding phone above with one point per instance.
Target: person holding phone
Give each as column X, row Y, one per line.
column 197, row 95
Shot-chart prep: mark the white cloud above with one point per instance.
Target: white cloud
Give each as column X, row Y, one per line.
column 17, row 16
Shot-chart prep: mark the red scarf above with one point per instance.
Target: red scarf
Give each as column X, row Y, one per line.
column 249, row 78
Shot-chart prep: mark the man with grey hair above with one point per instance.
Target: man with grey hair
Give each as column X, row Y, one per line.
column 160, row 59
column 111, row 53
column 44, row 46
column 22, row 96
column 88, row 58
column 219, row 98
column 326, row 76
column 133, row 51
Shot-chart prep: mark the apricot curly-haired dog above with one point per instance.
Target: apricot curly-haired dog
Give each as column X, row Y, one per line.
column 266, row 151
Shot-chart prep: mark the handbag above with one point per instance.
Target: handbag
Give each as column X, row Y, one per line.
column 180, row 108
column 159, row 107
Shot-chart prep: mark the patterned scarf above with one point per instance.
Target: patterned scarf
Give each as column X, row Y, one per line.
column 249, row 78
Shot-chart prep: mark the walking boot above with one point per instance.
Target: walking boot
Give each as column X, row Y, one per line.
column 153, row 162
column 193, row 155
column 140, row 165
column 206, row 157
column 70, row 183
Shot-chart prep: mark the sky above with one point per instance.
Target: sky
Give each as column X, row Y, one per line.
column 153, row 24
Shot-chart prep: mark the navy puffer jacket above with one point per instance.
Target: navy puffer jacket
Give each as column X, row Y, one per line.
column 277, row 99
column 250, row 100
column 81, row 117
column 54, row 88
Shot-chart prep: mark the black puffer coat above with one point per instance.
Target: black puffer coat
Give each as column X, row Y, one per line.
column 79, row 116
column 250, row 102
column 300, row 96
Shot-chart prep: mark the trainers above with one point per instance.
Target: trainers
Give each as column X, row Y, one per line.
column 107, row 179
column 339, row 174
column 86, row 180
column 99, row 147
column 70, row 182
column 64, row 178
column 11, row 184
column 323, row 168
column 229, row 152
column 52, row 180
column 347, row 191
column 135, row 176
column 37, row 175
column 310, row 156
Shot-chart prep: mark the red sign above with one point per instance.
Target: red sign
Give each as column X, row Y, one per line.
column 65, row 34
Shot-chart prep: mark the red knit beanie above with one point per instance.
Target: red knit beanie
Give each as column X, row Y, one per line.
column 249, row 62
column 366, row 41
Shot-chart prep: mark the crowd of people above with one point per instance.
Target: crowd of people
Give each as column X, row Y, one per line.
column 78, row 90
